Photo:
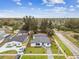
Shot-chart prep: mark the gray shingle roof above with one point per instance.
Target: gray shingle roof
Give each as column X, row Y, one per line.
column 40, row 35
column 19, row 38
column 40, row 39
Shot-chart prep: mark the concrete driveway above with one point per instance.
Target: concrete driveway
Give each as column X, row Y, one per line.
column 48, row 50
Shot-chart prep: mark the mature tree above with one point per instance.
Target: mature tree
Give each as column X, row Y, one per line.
column 72, row 23
column 30, row 24
column 44, row 25
column 50, row 24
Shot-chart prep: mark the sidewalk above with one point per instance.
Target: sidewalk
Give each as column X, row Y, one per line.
column 48, row 50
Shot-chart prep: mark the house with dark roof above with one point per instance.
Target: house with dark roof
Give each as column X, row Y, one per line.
column 19, row 38
column 40, row 40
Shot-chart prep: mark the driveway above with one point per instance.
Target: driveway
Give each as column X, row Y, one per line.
column 48, row 50
column 69, row 44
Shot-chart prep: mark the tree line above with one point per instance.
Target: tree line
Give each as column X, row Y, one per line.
column 37, row 25
column 47, row 24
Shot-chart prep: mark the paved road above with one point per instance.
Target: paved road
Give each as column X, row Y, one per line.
column 48, row 50
column 69, row 44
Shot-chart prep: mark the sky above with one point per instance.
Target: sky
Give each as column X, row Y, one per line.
column 39, row 8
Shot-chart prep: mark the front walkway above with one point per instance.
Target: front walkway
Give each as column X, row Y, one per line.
column 48, row 50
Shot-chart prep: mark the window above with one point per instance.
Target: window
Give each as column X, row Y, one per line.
column 37, row 43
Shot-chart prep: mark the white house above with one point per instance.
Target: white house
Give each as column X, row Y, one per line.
column 18, row 44
column 14, row 43
column 10, row 44
column 40, row 40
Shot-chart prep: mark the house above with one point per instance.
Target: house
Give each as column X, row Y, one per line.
column 10, row 44
column 40, row 40
column 3, row 35
column 18, row 44
column 14, row 43
column 20, row 38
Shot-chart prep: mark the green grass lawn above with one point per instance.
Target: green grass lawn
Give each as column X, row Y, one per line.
column 59, row 57
column 72, row 40
column 66, row 50
column 34, row 57
column 7, row 57
column 9, row 52
column 54, row 48
column 35, row 50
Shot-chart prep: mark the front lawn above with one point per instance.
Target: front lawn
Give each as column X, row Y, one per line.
column 54, row 48
column 35, row 50
column 34, row 57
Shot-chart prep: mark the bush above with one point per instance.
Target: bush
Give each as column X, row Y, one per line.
column 76, row 37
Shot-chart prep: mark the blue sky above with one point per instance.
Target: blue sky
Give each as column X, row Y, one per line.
column 39, row 8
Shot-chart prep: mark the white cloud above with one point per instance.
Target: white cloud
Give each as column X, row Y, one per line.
column 10, row 13
column 49, row 5
column 18, row 2
column 60, row 9
column 45, row 1
column 53, row 1
column 23, row 7
column 32, row 8
column 72, row 9
column 71, row 6
column 77, row 6
column 30, row 3
column 6, row 13
column 77, row 1
column 57, row 10
column 39, row 8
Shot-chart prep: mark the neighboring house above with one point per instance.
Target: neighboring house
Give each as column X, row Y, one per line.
column 14, row 43
column 3, row 35
column 40, row 40
column 19, row 38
